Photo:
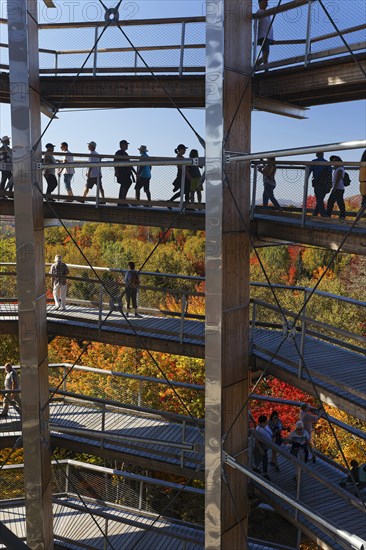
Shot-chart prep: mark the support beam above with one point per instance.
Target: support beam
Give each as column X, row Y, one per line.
column 29, row 232
column 228, row 111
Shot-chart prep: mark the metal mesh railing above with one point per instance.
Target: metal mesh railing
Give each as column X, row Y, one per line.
column 294, row 190
column 169, row 47
column 115, row 487
column 305, row 33
column 131, row 389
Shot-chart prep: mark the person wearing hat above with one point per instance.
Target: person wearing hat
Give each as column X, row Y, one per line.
column 177, row 183
column 124, row 174
column 143, row 175
column 5, row 158
column 50, row 173
column 300, row 441
column 59, row 272
column 94, row 172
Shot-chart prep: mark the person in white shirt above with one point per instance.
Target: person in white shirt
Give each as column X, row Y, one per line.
column 260, row 449
column 265, row 32
column 11, row 383
column 94, row 172
column 67, row 172
column 337, row 193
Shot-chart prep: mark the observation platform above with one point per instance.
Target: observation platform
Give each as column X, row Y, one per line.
column 338, row 373
column 288, row 226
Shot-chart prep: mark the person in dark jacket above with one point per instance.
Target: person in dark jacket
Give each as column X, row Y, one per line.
column 125, row 174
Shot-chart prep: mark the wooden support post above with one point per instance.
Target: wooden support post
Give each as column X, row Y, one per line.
column 228, row 119
column 29, row 231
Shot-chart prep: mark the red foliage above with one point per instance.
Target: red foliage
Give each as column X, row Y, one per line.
column 274, row 387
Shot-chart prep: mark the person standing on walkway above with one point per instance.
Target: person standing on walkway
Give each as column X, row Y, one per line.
column 6, row 158
column 362, row 178
column 11, row 383
column 124, row 174
column 132, row 283
column 177, row 183
column 265, row 32
column 260, row 448
column 337, row 193
column 322, row 182
column 49, row 173
column 196, row 179
column 269, row 182
column 94, row 172
column 143, row 175
column 309, row 420
column 67, row 172
column 59, row 272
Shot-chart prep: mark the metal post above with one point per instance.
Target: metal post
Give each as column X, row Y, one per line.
column 98, row 190
column 141, row 494
column 67, row 473
column 95, row 51
column 100, row 313
column 183, row 441
column 181, row 334
column 254, row 318
column 64, row 379
column 56, row 63
column 308, row 35
column 59, row 184
column 182, row 42
column 254, row 191
column 305, row 196
column 182, row 186
column 303, row 336
column 139, row 397
column 136, row 57
column 31, row 286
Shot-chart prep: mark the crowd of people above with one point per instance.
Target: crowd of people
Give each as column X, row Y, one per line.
column 326, row 177
column 272, row 430
column 189, row 180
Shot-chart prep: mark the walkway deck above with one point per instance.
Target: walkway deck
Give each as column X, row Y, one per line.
column 128, row 529
column 82, row 323
column 339, row 374
column 320, row 83
column 121, row 433
column 266, row 225
column 76, row 529
column 319, row 498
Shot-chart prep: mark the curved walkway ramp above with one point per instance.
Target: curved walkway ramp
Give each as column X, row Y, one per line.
column 337, row 374
column 135, row 435
column 310, row 497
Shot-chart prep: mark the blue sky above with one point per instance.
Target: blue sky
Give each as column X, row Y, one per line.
column 163, row 129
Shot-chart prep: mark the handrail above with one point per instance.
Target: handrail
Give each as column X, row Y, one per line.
column 171, row 417
column 350, row 539
column 105, row 372
column 309, row 320
column 348, row 497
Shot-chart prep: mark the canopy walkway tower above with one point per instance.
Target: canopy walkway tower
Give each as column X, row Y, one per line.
column 243, row 332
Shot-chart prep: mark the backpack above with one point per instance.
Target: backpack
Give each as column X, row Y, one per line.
column 135, row 279
column 346, row 179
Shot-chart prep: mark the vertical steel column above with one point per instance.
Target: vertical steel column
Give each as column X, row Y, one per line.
column 228, row 109
column 308, row 34
column 29, row 231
